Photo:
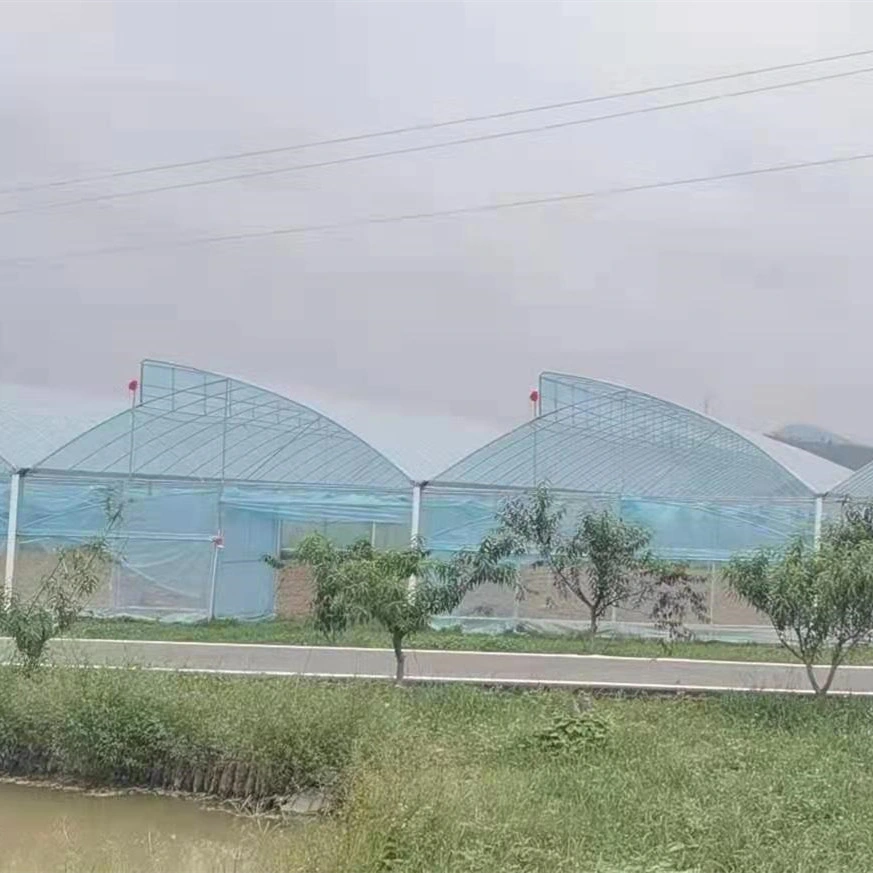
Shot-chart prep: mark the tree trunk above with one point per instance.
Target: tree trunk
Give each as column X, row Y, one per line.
column 836, row 660
column 397, row 640
column 820, row 690
column 593, row 621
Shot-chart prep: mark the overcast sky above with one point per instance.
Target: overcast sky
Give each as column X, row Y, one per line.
column 756, row 292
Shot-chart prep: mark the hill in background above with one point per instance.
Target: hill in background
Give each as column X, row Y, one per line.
column 825, row 444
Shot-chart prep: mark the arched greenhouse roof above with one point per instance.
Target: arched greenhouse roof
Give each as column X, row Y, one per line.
column 858, row 485
column 35, row 421
column 597, row 437
column 195, row 424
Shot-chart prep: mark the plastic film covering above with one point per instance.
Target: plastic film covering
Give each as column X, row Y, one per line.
column 459, row 518
column 198, row 425
column 858, row 487
column 703, row 534
column 600, row 438
column 713, row 532
column 162, row 540
column 171, row 563
column 213, row 474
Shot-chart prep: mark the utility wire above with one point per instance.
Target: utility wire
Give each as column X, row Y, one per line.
column 444, row 213
column 415, row 128
column 486, row 137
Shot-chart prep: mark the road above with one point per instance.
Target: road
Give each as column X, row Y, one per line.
column 593, row 671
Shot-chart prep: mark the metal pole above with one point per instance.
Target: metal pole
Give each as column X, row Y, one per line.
column 816, row 530
column 415, row 526
column 534, row 397
column 132, row 427
column 115, row 578
column 224, row 430
column 712, row 593
column 218, row 540
column 11, row 537
column 216, row 545
column 416, row 511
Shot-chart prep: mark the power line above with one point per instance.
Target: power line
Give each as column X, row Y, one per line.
column 445, row 213
column 368, row 156
column 416, row 128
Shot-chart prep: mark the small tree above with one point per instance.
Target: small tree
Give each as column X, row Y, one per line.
column 32, row 622
column 675, row 592
column 856, row 524
column 816, row 599
column 401, row 590
column 600, row 561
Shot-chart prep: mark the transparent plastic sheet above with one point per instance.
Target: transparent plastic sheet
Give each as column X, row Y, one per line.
column 592, row 437
column 702, row 534
column 162, row 538
column 257, row 521
column 168, row 563
column 714, row 531
column 337, row 504
column 245, row 582
column 834, row 506
column 707, row 531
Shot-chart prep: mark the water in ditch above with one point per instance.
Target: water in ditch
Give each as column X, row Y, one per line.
column 49, row 830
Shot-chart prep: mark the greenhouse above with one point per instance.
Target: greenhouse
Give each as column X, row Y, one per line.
column 205, row 475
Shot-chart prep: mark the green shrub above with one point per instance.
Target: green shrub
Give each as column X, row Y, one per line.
column 577, row 733
column 262, row 738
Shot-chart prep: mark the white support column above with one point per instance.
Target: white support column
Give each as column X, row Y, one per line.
column 11, row 536
column 816, row 530
column 416, row 511
column 415, row 526
column 712, row 593
column 217, row 546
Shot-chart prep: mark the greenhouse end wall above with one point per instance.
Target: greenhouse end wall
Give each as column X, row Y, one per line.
column 171, row 562
column 703, row 534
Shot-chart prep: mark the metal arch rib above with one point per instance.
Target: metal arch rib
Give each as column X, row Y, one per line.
column 281, row 397
column 711, row 424
column 125, row 414
column 686, row 410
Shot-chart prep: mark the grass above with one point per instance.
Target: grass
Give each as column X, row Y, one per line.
column 460, row 780
column 231, row 737
column 302, row 632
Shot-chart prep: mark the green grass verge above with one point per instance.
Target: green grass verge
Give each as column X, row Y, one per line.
column 301, row 632
column 460, row 780
column 234, row 738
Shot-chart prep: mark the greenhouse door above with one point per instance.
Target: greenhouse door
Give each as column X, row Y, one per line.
column 245, row 582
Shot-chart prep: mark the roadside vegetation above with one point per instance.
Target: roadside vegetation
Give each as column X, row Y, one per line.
column 304, row 632
column 451, row 779
column 437, row 779
column 818, row 598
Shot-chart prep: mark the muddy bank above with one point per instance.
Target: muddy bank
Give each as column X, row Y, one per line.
column 280, row 808
column 267, row 745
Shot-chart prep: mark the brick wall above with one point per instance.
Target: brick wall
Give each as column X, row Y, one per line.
column 294, row 591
